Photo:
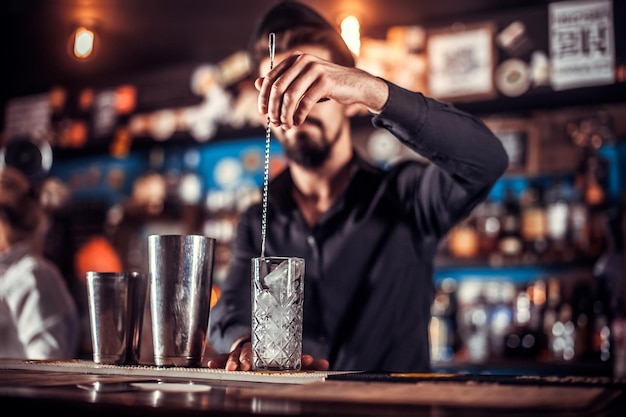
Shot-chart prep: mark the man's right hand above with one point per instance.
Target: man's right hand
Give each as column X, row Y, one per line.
column 240, row 359
column 288, row 92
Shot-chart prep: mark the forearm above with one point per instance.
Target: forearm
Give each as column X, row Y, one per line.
column 374, row 94
column 456, row 141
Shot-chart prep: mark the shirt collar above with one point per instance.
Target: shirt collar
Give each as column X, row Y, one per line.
column 280, row 190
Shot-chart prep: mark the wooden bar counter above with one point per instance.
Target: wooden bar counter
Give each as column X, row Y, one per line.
column 79, row 387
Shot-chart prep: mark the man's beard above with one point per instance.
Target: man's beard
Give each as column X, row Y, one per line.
column 307, row 153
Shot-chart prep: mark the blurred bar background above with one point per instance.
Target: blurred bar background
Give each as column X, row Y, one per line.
column 138, row 117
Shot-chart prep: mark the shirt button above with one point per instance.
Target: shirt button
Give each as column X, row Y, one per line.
column 310, row 240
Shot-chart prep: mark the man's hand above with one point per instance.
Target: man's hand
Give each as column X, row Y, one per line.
column 309, row 363
column 290, row 90
column 240, row 359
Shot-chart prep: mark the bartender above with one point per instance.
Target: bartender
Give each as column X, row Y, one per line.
column 39, row 318
column 368, row 235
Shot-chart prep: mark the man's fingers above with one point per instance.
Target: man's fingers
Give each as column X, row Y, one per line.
column 218, row 362
column 306, row 360
column 321, row 364
column 265, row 85
column 232, row 364
column 238, row 359
column 245, row 357
column 312, row 364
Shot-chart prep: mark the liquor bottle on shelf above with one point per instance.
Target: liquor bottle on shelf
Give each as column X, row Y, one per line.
column 557, row 218
column 472, row 322
column 563, row 343
column 510, row 245
column 526, row 339
column 463, row 241
column 579, row 225
column 601, row 338
column 581, row 299
column 442, row 326
column 488, row 217
column 550, row 317
column 534, row 225
column 591, row 183
column 592, row 177
column 478, row 338
column 500, row 297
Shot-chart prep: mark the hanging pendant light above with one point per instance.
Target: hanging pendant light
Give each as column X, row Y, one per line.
column 83, row 42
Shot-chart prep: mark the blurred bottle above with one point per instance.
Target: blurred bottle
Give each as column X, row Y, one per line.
column 442, row 327
column 537, row 293
column 558, row 210
column 592, row 176
column 591, row 182
column 564, row 335
column 500, row 297
column 488, row 217
column 579, row 225
column 526, row 339
column 510, row 245
column 463, row 241
column 534, row 224
column 473, row 327
column 582, row 299
column 601, row 338
column 550, row 317
column 618, row 330
column 478, row 340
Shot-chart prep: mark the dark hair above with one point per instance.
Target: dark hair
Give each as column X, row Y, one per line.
column 23, row 224
column 295, row 25
column 19, row 208
column 296, row 37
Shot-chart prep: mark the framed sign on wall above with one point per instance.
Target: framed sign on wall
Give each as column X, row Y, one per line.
column 521, row 143
column 461, row 62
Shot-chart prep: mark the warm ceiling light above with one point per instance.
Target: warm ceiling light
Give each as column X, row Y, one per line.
column 83, row 43
column 351, row 33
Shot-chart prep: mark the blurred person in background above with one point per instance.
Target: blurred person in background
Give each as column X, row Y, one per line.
column 38, row 315
column 368, row 236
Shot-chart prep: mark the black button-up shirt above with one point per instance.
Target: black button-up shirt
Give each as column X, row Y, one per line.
column 369, row 259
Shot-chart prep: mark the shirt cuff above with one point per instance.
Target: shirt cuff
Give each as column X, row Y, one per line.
column 240, row 342
column 403, row 108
